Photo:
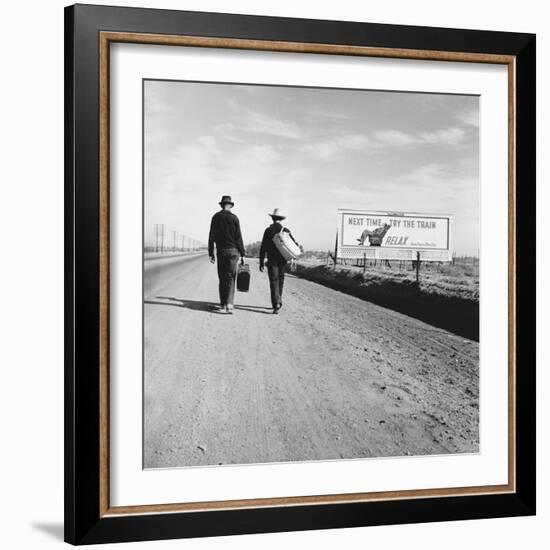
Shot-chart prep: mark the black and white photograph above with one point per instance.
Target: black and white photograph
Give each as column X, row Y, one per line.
column 310, row 274
column 275, row 275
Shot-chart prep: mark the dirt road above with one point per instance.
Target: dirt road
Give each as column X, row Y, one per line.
column 330, row 377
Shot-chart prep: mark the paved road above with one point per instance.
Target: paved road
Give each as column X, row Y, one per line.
column 330, row 377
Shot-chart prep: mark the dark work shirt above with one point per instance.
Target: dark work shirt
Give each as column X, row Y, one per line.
column 225, row 231
column 268, row 246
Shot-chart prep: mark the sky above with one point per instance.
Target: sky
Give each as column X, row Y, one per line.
column 307, row 151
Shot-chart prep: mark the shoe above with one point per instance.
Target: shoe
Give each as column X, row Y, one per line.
column 275, row 311
column 280, row 305
column 229, row 308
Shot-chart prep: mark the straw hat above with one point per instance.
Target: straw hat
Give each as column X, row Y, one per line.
column 277, row 214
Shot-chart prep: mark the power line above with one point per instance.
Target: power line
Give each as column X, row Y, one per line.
column 187, row 243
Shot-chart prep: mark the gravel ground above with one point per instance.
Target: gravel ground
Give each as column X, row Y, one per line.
column 330, row 377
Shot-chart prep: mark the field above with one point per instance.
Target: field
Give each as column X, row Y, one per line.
column 446, row 295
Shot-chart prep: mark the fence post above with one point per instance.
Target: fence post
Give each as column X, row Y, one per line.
column 336, row 250
column 364, row 262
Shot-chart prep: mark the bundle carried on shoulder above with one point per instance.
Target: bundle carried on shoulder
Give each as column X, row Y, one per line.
column 285, row 244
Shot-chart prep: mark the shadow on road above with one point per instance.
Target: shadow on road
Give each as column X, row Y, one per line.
column 255, row 309
column 195, row 305
column 209, row 307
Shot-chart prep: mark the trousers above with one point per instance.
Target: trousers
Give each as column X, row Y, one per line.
column 227, row 273
column 276, row 274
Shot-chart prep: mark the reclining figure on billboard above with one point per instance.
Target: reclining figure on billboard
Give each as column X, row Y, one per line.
column 375, row 236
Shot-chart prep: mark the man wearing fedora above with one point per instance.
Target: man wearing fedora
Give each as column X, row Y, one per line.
column 225, row 232
column 276, row 264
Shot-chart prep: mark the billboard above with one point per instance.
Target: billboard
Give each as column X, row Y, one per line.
column 386, row 235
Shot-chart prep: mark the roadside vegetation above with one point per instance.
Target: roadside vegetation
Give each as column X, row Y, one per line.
column 446, row 295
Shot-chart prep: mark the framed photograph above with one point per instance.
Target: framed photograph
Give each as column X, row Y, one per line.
column 300, row 274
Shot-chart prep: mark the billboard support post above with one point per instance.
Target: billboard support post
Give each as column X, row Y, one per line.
column 417, row 266
column 336, row 250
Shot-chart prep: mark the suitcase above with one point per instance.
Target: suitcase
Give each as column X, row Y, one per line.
column 243, row 277
column 288, row 249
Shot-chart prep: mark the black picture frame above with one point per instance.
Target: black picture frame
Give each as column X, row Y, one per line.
column 84, row 522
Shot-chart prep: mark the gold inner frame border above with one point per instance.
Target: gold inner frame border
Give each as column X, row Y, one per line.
column 108, row 37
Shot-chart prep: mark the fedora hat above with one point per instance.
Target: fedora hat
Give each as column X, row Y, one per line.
column 277, row 214
column 226, row 199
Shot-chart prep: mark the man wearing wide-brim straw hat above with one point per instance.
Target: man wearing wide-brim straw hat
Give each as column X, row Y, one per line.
column 276, row 264
column 225, row 233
